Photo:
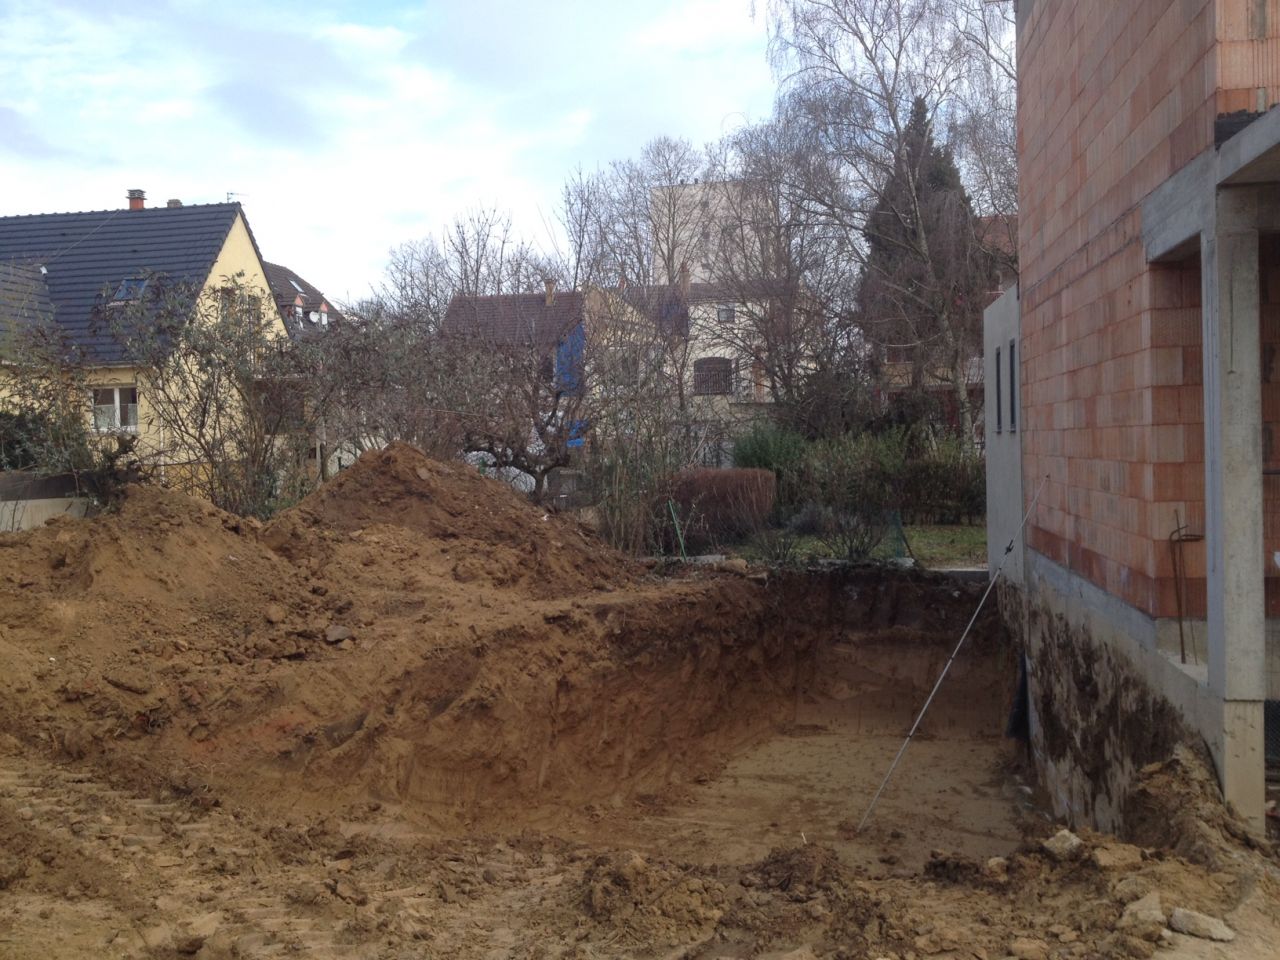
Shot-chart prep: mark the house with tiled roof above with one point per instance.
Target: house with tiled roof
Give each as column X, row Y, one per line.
column 67, row 268
column 305, row 311
column 525, row 320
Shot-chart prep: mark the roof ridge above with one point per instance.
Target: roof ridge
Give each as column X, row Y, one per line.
column 107, row 210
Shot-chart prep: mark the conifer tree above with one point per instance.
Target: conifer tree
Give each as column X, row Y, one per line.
column 925, row 278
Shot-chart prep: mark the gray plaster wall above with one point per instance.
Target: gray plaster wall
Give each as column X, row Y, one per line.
column 29, row 514
column 1003, row 444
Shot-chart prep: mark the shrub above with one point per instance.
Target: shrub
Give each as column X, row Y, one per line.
column 722, row 506
column 631, row 496
column 770, row 446
column 852, row 485
column 852, row 533
column 945, row 485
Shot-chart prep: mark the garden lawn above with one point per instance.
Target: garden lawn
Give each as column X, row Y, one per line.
column 958, row 545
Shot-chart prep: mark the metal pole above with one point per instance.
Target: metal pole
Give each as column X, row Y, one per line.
column 954, row 653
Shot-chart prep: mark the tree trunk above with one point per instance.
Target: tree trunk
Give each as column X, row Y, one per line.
column 960, row 382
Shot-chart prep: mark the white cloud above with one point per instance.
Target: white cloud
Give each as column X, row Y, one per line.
column 701, row 26
column 346, row 135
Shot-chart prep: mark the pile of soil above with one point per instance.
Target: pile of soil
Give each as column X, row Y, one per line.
column 492, row 534
column 411, row 633
column 637, row 901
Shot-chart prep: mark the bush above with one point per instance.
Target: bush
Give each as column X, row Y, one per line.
column 777, row 546
column 770, row 446
column 723, row 506
column 852, row 533
column 852, row 487
column 946, row 485
column 631, row 495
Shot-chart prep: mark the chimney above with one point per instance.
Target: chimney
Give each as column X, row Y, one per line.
column 550, row 286
column 137, row 199
column 684, row 277
column 175, row 202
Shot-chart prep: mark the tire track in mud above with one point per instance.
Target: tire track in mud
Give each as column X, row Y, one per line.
column 211, row 887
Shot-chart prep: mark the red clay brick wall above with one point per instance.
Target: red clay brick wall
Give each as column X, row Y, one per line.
column 1248, row 55
column 1114, row 98
column 1177, row 421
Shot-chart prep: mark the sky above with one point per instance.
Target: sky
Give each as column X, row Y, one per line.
column 348, row 128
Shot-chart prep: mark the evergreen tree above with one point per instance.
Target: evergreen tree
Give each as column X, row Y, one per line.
column 925, row 279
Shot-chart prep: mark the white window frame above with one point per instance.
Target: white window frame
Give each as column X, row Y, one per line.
column 107, row 416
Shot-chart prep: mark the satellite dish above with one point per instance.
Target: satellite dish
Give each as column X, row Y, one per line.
column 313, row 316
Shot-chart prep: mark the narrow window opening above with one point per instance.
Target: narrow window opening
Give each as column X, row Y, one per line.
column 1013, row 388
column 999, row 396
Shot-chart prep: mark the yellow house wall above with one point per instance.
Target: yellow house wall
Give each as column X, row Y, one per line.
column 236, row 259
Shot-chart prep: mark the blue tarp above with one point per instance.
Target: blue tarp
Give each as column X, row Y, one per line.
column 569, row 361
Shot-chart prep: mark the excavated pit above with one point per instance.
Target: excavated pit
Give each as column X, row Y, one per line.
column 418, row 637
column 415, row 716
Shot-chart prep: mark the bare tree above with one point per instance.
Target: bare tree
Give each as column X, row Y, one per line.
column 985, row 129
column 633, row 223
column 872, row 78
column 47, row 416
column 386, row 377
column 226, row 388
column 785, row 267
column 476, row 254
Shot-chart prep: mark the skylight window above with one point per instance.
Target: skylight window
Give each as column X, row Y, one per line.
column 130, row 289
column 295, row 285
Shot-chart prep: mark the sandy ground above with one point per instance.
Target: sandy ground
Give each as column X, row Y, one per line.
column 415, row 717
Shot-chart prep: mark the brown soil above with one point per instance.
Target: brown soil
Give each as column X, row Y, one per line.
column 416, row 717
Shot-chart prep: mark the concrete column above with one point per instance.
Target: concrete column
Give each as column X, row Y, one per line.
column 1233, row 498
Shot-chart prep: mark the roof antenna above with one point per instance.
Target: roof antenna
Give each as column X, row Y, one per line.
column 231, row 194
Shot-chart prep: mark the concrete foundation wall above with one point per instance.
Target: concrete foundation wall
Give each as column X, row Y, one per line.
column 1107, row 696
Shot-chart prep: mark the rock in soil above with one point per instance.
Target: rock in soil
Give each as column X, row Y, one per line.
column 1200, row 925
column 1063, row 845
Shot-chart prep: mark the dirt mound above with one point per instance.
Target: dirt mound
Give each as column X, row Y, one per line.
column 1177, row 804
column 651, row 903
column 490, row 533
column 106, row 619
column 800, row 870
column 412, row 633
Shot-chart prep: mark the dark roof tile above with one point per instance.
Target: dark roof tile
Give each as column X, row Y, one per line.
column 87, row 253
column 286, row 294
column 24, row 297
column 516, row 319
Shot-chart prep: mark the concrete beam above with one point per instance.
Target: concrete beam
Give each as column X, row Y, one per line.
column 1178, row 211
column 1253, row 154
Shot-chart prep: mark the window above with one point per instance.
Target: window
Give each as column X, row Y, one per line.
column 999, row 398
column 239, row 303
column 130, row 289
column 1013, row 390
column 712, row 376
column 724, row 315
column 295, row 285
column 115, row 409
